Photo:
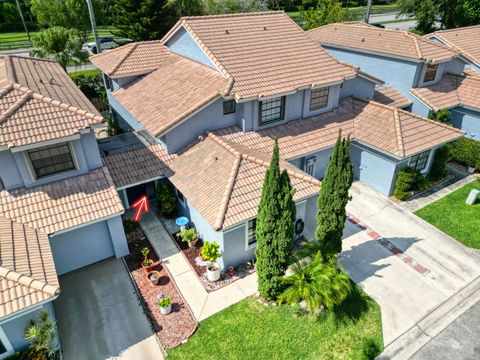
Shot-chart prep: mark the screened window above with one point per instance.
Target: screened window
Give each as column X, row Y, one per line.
column 51, row 159
column 318, row 99
column 430, row 72
column 229, row 107
column 419, row 161
column 310, row 165
column 272, row 110
column 252, row 232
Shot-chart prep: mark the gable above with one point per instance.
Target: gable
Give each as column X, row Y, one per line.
column 182, row 43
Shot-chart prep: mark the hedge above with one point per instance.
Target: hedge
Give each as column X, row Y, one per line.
column 465, row 151
column 90, row 82
column 405, row 183
column 439, row 165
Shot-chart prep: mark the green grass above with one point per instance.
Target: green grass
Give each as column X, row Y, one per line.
column 454, row 217
column 250, row 330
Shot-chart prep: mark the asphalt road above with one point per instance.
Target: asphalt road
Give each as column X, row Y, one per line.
column 459, row 341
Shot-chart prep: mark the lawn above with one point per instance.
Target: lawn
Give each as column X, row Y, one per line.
column 250, row 330
column 454, row 217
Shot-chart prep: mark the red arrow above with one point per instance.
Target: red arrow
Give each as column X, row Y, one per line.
column 141, row 205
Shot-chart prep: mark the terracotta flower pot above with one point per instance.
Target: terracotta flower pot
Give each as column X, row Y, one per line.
column 153, row 277
column 150, row 267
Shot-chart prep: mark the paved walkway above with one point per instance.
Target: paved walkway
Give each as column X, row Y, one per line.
column 99, row 316
column 202, row 303
column 404, row 294
column 437, row 193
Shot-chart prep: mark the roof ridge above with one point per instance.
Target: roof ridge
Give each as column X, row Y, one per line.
column 453, row 30
column 123, row 58
column 17, row 105
column 417, row 45
column 446, row 126
column 398, row 131
column 232, row 15
column 222, row 211
column 29, row 282
column 10, row 69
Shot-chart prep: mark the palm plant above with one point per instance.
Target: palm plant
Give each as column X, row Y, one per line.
column 318, row 283
column 41, row 334
column 59, row 44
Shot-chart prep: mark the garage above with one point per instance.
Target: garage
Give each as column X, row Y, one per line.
column 81, row 247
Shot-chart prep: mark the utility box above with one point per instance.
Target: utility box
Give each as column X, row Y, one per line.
column 473, row 196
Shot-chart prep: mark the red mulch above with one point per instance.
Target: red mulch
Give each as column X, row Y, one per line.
column 179, row 325
column 191, row 253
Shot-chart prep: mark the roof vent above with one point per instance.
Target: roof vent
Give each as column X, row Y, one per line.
column 363, row 39
column 201, row 137
column 264, row 28
column 51, row 80
column 227, row 32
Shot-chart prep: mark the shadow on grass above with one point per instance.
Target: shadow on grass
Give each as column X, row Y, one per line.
column 354, row 306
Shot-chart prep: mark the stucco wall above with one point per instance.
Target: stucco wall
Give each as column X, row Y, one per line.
column 321, row 164
column 455, row 66
column 10, row 174
column 358, row 87
column 122, row 82
column 182, row 43
column 126, row 120
column 88, row 244
column 14, row 328
column 468, row 121
column 419, row 107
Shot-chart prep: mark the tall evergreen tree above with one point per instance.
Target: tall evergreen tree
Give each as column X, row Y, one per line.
column 275, row 229
column 333, row 199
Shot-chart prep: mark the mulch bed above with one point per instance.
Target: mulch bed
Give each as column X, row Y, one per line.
column 193, row 256
column 179, row 325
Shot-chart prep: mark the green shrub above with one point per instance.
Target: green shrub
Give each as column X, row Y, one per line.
column 443, row 116
column 406, row 181
column 188, row 235
column 439, row 165
column 166, row 200
column 129, row 226
column 210, row 251
column 465, row 151
column 90, row 82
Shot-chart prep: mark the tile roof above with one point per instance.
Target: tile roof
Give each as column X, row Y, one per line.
column 27, row 117
column 451, row 91
column 139, row 165
column 463, row 39
column 389, row 95
column 384, row 127
column 45, row 77
column 132, row 59
column 264, row 53
column 389, row 42
column 171, row 93
column 27, row 270
column 223, row 180
column 63, row 204
column 471, row 72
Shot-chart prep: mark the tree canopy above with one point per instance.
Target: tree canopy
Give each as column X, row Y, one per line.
column 322, row 12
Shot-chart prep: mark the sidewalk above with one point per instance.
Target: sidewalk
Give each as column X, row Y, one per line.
column 202, row 303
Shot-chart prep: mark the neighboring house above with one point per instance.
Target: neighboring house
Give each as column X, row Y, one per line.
column 59, row 210
column 402, row 59
column 206, row 101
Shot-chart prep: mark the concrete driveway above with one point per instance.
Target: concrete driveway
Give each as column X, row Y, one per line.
column 99, row 316
column 404, row 294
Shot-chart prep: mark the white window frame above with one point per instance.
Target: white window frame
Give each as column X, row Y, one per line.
column 313, row 109
column 234, row 107
column 282, row 99
column 425, row 73
column 252, row 245
column 312, row 165
column 8, row 346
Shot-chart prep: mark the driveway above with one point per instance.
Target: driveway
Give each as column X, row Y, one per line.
column 405, row 293
column 99, row 316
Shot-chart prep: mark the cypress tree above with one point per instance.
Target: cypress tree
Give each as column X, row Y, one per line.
column 274, row 229
column 333, row 199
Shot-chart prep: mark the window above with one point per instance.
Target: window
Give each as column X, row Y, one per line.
column 272, row 110
column 252, row 232
column 51, row 159
column 419, row 161
column 430, row 72
column 318, row 99
column 108, row 83
column 180, row 196
column 309, row 167
column 229, row 107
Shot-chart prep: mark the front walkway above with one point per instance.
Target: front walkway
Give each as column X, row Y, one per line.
column 202, row 303
column 387, row 270
column 99, row 316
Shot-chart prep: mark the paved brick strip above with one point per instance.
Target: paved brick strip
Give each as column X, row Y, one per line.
column 407, row 259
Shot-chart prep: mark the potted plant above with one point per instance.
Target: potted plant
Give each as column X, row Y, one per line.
column 210, row 252
column 165, row 303
column 190, row 236
column 147, row 263
column 153, row 276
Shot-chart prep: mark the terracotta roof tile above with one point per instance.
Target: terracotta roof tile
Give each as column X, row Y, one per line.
column 471, row 72
column 131, row 59
column 27, row 271
column 138, row 165
column 384, row 127
column 168, row 95
column 265, row 53
column 63, row 204
column 238, row 174
column 391, row 96
column 463, row 39
column 451, row 91
column 389, row 42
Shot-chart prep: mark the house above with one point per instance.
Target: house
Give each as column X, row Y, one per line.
column 203, row 113
column 59, row 209
column 430, row 75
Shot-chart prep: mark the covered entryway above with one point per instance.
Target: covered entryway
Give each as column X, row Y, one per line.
column 136, row 192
